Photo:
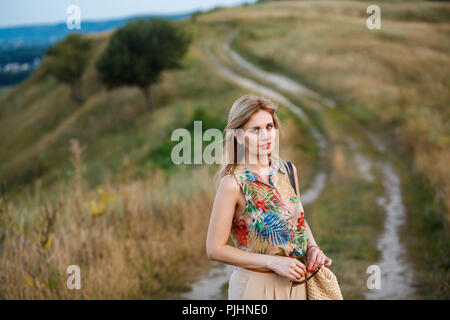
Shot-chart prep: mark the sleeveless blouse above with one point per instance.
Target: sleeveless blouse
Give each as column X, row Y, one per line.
column 273, row 220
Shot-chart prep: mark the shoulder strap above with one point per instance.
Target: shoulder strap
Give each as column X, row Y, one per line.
column 290, row 171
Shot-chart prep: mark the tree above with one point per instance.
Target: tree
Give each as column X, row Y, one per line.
column 67, row 60
column 139, row 51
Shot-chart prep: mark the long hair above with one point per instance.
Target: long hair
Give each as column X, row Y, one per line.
column 241, row 111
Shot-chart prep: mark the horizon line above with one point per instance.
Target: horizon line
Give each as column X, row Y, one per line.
column 99, row 19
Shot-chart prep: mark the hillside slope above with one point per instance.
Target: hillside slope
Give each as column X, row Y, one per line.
column 141, row 222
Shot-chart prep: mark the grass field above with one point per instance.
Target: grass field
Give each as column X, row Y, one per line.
column 93, row 185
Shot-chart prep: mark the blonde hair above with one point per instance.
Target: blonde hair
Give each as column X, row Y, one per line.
column 241, row 111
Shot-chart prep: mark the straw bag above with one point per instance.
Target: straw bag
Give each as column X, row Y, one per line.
column 321, row 284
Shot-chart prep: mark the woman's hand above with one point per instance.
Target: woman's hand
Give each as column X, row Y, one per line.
column 288, row 267
column 316, row 258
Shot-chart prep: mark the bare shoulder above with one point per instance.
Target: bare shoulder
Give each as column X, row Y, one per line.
column 228, row 184
column 228, row 191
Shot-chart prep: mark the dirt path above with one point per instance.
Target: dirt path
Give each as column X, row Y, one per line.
column 281, row 82
column 363, row 164
column 396, row 273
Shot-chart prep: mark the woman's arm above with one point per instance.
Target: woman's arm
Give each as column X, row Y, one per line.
column 311, row 241
column 220, row 226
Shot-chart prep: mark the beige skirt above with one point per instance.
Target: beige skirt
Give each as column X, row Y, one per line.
column 246, row 284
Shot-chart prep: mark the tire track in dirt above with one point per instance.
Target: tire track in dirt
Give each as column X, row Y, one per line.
column 281, row 82
column 397, row 275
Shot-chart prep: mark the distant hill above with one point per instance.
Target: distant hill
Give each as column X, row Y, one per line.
column 45, row 35
column 22, row 48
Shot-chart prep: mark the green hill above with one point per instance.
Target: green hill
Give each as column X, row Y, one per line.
column 38, row 120
column 391, row 82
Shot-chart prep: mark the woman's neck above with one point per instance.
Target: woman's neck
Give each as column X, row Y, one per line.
column 262, row 167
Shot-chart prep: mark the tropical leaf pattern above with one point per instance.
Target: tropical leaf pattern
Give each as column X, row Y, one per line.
column 273, row 221
column 273, row 230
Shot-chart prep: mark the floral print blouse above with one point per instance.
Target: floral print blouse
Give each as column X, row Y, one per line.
column 273, row 221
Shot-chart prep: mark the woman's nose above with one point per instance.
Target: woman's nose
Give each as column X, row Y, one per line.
column 262, row 133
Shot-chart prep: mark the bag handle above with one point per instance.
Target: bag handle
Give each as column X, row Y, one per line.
column 290, row 170
column 307, row 278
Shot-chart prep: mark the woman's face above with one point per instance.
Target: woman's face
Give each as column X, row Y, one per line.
column 260, row 135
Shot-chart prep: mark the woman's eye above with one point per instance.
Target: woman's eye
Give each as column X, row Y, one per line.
column 269, row 126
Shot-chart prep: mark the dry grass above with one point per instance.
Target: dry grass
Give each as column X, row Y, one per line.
column 139, row 239
column 146, row 238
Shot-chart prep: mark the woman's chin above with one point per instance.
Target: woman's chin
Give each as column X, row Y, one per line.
column 265, row 152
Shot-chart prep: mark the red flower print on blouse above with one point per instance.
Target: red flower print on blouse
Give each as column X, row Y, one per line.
column 260, row 205
column 240, row 230
column 301, row 221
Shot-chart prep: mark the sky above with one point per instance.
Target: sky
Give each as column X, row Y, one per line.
column 30, row 12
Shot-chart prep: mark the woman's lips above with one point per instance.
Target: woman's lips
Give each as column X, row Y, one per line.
column 266, row 146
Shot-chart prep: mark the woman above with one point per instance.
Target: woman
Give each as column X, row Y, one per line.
column 255, row 202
